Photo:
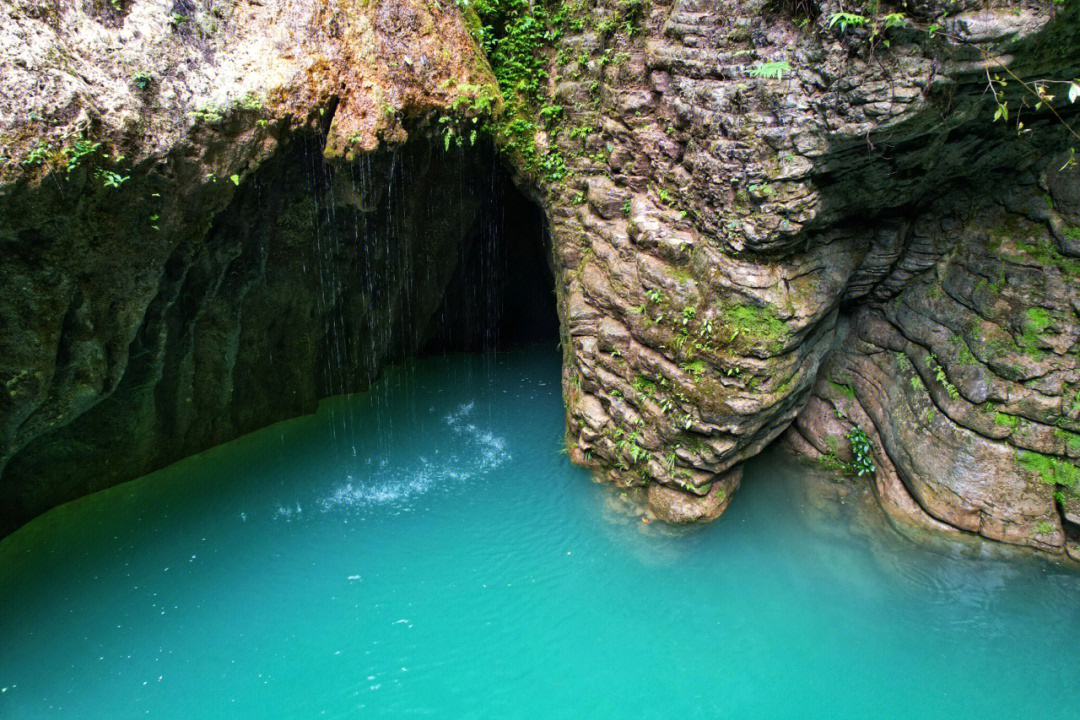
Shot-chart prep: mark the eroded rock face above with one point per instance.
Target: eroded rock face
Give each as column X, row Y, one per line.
column 737, row 256
column 764, row 223
column 969, row 374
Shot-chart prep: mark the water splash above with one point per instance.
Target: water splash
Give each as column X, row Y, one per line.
column 477, row 452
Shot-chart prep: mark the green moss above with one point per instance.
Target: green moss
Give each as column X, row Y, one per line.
column 1046, row 254
column 1044, row 528
column 830, row 460
column 1037, row 463
column 843, row 389
column 1072, row 440
column 1039, row 318
column 680, row 273
column 1009, row 421
column 963, row 353
column 644, row 386
column 759, row 323
column 1051, row 470
column 1036, row 321
column 996, row 286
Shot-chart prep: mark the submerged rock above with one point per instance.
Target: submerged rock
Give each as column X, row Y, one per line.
column 679, row 506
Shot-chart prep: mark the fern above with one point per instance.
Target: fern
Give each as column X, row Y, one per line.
column 773, row 70
column 845, row 19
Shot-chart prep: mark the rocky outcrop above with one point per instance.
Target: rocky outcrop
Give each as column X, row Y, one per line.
column 765, row 220
column 732, row 239
column 969, row 374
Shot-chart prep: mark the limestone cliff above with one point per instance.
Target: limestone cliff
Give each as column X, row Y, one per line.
column 740, row 252
column 766, row 220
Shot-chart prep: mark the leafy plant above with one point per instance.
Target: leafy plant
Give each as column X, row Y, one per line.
column 514, row 35
column 862, row 450
column 941, row 377
column 112, row 179
column 774, row 70
column 38, row 154
column 142, row 79
column 893, row 20
column 696, row 368
column 846, row 19
column 79, row 150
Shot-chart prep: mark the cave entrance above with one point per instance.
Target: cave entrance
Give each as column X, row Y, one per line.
column 501, row 295
column 297, row 282
column 425, row 249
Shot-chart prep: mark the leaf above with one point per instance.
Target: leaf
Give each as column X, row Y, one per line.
column 895, row 20
column 235, row 179
column 774, row 70
column 1074, row 92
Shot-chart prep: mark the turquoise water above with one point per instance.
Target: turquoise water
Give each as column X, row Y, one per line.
column 425, row 550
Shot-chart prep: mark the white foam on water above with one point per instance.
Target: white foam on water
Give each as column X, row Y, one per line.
column 288, row 514
column 478, row 452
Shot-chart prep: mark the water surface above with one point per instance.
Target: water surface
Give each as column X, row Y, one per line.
column 425, row 549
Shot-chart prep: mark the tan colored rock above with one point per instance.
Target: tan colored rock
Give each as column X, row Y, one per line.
column 679, row 506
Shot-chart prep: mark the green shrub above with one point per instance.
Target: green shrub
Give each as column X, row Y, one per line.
column 863, row 451
column 142, row 80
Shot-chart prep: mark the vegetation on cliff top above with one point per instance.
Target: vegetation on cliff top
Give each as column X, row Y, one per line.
column 519, row 38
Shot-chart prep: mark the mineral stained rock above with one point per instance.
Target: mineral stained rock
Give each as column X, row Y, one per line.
column 768, row 224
